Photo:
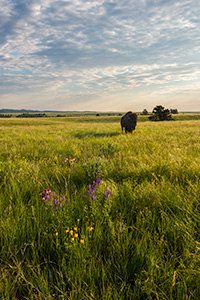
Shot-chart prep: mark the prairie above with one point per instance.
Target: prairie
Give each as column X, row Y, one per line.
column 87, row 212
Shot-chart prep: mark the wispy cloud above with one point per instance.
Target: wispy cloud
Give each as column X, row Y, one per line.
column 92, row 50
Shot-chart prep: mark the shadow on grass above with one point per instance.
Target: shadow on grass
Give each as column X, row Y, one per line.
column 95, row 135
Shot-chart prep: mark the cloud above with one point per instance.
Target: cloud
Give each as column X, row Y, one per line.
column 100, row 48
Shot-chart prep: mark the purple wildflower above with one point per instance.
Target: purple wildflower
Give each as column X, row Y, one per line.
column 92, row 189
column 51, row 198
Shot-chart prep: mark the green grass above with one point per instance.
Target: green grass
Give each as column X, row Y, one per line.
column 146, row 240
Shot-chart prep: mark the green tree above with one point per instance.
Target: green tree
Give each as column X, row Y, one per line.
column 144, row 112
column 174, row 111
column 159, row 113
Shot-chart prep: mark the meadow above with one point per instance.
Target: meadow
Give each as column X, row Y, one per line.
column 87, row 212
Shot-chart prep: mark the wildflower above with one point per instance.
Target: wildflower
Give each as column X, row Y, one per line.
column 90, row 228
column 99, row 181
column 76, row 235
column 56, row 233
column 74, row 190
column 51, row 198
column 82, row 241
column 70, row 160
column 92, row 189
column 75, row 228
column 67, row 230
column 71, row 232
column 72, row 239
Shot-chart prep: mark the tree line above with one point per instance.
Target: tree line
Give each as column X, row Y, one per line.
column 159, row 113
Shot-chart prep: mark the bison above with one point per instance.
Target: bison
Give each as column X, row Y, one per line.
column 129, row 121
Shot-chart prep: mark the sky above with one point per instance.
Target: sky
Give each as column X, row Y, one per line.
column 102, row 55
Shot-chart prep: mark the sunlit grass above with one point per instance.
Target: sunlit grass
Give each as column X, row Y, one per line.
column 133, row 236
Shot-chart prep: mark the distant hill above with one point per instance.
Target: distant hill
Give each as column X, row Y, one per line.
column 10, row 111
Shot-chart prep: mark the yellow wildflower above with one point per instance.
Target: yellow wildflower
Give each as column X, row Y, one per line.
column 75, row 228
column 67, row 230
column 90, row 228
column 71, row 232
column 76, row 235
column 56, row 233
column 72, row 239
column 82, row 241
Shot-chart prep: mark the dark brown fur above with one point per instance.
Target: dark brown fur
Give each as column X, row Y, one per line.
column 129, row 122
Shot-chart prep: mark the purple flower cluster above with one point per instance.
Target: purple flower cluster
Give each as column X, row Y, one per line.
column 51, row 198
column 107, row 193
column 92, row 188
column 70, row 160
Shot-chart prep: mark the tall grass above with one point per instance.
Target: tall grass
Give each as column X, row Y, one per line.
column 133, row 236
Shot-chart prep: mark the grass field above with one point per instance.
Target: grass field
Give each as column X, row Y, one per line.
column 87, row 212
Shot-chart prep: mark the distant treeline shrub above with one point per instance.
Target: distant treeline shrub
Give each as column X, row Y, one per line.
column 5, row 116
column 27, row 115
column 174, row 111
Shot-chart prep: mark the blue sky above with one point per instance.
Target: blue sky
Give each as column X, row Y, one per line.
column 103, row 55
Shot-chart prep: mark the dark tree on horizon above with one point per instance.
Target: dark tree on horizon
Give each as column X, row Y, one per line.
column 174, row 111
column 145, row 112
column 159, row 113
